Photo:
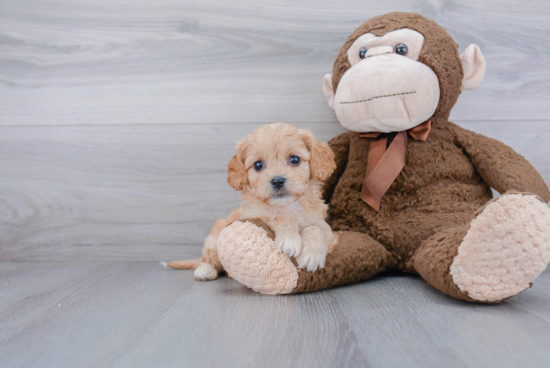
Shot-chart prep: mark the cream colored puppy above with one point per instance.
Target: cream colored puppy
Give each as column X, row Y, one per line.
column 279, row 170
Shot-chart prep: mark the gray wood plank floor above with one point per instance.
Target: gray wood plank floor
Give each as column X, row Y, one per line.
column 136, row 314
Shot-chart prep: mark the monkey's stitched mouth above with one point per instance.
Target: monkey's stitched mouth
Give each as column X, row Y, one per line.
column 382, row 96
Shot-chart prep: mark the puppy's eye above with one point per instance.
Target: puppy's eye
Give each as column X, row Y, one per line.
column 258, row 165
column 401, row 49
column 294, row 160
column 362, row 53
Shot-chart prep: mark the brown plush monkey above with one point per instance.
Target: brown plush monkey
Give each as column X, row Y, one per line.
column 411, row 190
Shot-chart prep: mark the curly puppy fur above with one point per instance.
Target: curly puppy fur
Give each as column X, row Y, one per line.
column 283, row 193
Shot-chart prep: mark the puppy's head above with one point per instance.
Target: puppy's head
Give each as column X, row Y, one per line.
column 277, row 161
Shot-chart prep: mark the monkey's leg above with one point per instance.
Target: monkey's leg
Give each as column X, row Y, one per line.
column 496, row 256
column 249, row 255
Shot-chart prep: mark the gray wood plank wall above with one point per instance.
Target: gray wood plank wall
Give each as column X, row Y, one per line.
column 117, row 118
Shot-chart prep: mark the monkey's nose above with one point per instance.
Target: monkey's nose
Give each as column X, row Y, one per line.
column 278, row 182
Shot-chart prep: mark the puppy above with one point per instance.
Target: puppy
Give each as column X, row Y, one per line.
column 280, row 170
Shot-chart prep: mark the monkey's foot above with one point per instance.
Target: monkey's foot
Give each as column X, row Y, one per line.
column 505, row 249
column 249, row 254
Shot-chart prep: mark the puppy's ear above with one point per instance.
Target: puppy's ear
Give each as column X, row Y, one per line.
column 237, row 176
column 322, row 162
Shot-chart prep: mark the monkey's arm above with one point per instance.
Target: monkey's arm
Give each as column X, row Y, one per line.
column 500, row 166
column 340, row 148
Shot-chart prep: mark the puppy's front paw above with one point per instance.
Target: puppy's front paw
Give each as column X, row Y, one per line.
column 205, row 272
column 314, row 250
column 290, row 243
column 311, row 259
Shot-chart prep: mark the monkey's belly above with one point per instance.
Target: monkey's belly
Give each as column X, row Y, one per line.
column 405, row 220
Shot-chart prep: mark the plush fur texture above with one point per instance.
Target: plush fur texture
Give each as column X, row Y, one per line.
column 250, row 256
column 493, row 263
column 439, row 52
column 437, row 218
column 248, row 252
column 426, row 212
column 384, row 91
column 356, row 257
column 439, row 187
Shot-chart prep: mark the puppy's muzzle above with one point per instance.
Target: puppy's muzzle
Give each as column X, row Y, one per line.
column 278, row 182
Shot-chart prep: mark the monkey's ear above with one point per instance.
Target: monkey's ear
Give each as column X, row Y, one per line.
column 237, row 176
column 327, row 90
column 473, row 65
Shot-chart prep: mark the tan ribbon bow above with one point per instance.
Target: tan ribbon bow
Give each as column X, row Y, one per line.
column 383, row 165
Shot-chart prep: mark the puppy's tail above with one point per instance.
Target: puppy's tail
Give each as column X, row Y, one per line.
column 189, row 264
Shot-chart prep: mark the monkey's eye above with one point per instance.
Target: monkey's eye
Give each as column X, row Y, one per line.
column 362, row 53
column 401, row 49
column 294, row 160
column 258, row 165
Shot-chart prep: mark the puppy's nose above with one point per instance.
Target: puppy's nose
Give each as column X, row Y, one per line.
column 278, row 182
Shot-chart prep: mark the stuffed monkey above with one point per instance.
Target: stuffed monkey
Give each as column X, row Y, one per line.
column 411, row 191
